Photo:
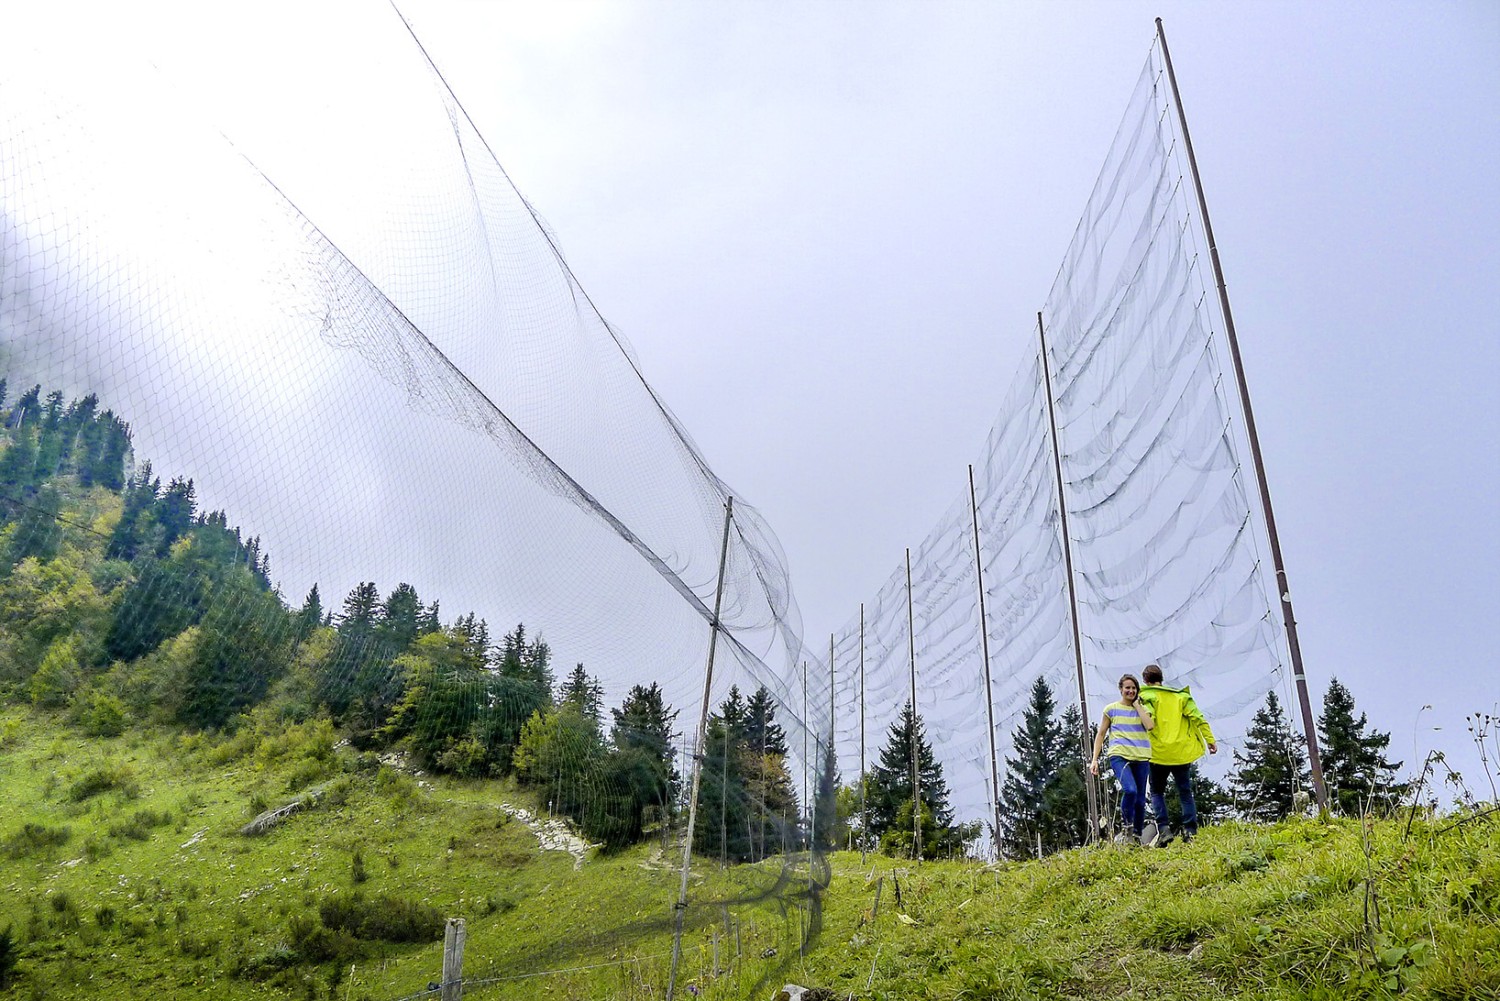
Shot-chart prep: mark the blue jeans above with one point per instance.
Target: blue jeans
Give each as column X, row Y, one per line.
column 1183, row 776
column 1132, row 776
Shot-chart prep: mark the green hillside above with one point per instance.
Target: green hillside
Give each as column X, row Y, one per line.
column 125, row 875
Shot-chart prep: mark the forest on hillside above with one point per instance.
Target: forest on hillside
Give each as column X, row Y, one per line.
column 123, row 603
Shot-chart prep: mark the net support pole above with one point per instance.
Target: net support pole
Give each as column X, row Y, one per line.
column 916, row 764
column 699, row 749
column 807, row 803
column 864, row 803
column 828, row 759
column 984, row 646
column 1283, row 592
column 1090, row 784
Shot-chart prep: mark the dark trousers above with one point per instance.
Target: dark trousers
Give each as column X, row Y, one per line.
column 1183, row 776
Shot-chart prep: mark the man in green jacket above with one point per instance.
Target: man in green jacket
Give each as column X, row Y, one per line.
column 1176, row 742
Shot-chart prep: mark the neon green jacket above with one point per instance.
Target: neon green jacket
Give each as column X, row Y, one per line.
column 1181, row 732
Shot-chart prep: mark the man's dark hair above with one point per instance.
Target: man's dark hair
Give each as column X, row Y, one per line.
column 1152, row 674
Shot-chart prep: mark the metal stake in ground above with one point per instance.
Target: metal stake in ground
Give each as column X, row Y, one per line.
column 708, row 681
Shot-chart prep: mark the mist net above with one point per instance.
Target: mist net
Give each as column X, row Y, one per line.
column 386, row 460
column 1166, row 545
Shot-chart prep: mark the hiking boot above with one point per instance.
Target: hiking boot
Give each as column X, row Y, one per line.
column 1164, row 837
column 1149, row 835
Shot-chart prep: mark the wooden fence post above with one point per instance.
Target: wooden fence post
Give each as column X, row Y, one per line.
column 453, row 960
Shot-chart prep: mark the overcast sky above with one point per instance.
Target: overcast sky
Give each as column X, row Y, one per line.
column 826, row 230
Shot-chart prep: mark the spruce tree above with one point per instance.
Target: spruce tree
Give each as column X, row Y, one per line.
column 310, row 615
column 773, row 800
column 1272, row 768
column 1043, row 800
column 585, row 694
column 1355, row 769
column 398, row 621
column 890, row 785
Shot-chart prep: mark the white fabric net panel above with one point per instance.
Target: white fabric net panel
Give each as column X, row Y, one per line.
column 1166, row 544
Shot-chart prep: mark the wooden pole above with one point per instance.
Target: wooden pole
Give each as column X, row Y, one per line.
column 916, row 765
column 1089, row 782
column 1283, row 592
column 708, row 681
column 453, row 960
column 984, row 638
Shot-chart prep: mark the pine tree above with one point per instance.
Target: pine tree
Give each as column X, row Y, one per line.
column 1272, row 768
column 725, row 810
column 585, row 694
column 642, row 732
column 761, row 730
column 310, row 615
column 398, row 623
column 174, row 513
column 1355, row 770
column 1043, row 799
column 890, row 786
column 773, row 799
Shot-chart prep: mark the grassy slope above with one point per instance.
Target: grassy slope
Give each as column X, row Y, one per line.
column 177, row 900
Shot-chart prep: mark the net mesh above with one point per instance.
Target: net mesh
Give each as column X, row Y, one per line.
column 414, row 405
column 433, row 435
column 1165, row 543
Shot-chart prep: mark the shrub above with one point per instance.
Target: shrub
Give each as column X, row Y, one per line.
column 8, row 956
column 317, row 944
column 139, row 825
column 56, row 679
column 102, row 780
column 390, row 919
column 100, row 714
column 34, row 838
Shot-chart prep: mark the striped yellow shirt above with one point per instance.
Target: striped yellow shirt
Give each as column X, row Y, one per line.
column 1127, row 734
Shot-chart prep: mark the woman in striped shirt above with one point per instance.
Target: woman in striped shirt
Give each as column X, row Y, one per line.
column 1126, row 723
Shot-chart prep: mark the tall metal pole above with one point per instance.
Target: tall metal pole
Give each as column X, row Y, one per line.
column 807, row 803
column 984, row 642
column 1284, row 594
column 828, row 759
column 708, row 681
column 916, row 765
column 1089, row 784
column 864, row 803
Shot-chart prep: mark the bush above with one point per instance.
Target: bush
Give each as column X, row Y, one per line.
column 139, row 825
column 8, row 956
column 390, row 919
column 34, row 838
column 102, row 780
column 317, row 944
column 100, row 714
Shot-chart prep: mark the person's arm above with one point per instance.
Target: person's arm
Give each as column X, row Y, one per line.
column 1199, row 725
column 1147, row 720
column 1099, row 743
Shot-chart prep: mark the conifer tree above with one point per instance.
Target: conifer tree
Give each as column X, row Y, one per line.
column 773, row 800
column 890, row 785
column 1042, row 799
column 1355, row 769
column 398, row 622
column 762, row 732
column 310, row 615
column 1272, row 768
column 585, row 694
